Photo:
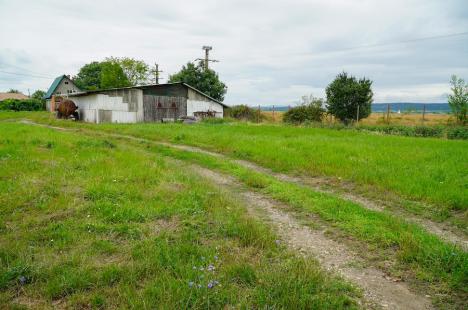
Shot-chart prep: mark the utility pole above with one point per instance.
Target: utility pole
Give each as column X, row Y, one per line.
column 156, row 72
column 207, row 59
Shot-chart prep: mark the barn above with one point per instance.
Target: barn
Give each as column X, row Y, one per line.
column 147, row 103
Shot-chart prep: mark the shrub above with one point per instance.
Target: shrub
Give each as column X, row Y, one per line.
column 312, row 112
column 459, row 132
column 243, row 112
column 347, row 97
column 22, row 105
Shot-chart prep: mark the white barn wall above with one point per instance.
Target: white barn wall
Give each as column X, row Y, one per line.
column 90, row 105
column 198, row 105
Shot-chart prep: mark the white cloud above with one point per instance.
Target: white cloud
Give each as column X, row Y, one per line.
column 271, row 52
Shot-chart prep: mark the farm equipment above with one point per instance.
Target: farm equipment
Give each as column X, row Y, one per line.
column 67, row 108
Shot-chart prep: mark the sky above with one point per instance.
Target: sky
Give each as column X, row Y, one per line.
column 269, row 52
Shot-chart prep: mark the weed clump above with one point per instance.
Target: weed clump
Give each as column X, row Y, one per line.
column 245, row 113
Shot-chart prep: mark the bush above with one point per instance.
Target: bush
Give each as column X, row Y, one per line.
column 22, row 105
column 312, row 112
column 243, row 112
column 347, row 95
column 459, row 132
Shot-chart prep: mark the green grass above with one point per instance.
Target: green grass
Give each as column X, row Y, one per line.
column 98, row 223
column 425, row 170
column 420, row 257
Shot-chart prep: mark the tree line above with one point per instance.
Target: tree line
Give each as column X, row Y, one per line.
column 116, row 72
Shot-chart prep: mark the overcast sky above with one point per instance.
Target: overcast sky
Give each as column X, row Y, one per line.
column 270, row 52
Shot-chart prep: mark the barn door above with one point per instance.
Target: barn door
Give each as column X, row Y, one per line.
column 157, row 108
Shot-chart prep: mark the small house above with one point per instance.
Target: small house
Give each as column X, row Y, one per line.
column 146, row 103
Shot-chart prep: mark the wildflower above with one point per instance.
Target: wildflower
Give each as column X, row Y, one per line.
column 212, row 283
column 277, row 242
column 210, row 267
column 216, row 257
column 190, row 284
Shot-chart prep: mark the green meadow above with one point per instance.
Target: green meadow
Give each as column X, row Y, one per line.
column 90, row 223
column 91, row 220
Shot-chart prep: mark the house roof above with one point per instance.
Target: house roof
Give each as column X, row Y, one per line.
column 148, row 86
column 19, row 96
column 54, row 86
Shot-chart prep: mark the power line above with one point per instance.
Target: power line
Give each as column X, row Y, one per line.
column 406, row 41
column 22, row 69
column 29, row 75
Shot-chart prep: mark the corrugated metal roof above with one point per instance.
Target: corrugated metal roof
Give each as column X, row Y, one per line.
column 54, row 85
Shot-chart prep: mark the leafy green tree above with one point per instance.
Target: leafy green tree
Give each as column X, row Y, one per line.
column 13, row 91
column 137, row 71
column 38, row 94
column 207, row 81
column 346, row 94
column 89, row 76
column 101, row 75
column 112, row 76
column 458, row 100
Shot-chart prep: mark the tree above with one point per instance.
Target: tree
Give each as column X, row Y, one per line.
column 346, row 96
column 13, row 91
column 458, row 101
column 89, row 76
column 38, row 94
column 100, row 75
column 137, row 71
column 207, row 81
column 113, row 76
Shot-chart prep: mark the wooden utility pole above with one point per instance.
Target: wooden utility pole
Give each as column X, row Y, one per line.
column 273, row 113
column 207, row 59
column 156, row 72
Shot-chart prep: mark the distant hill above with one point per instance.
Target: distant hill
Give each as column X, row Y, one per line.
column 403, row 107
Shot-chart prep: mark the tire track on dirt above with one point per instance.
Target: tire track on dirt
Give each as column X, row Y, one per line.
column 379, row 290
column 441, row 230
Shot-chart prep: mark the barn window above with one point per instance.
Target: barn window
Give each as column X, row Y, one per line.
column 159, row 105
column 66, row 82
column 173, row 105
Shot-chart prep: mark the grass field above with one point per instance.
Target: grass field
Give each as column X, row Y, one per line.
column 93, row 220
column 427, row 170
column 406, row 119
column 88, row 223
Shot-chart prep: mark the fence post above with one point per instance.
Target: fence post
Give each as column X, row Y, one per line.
column 357, row 114
column 258, row 114
column 388, row 113
column 273, row 113
column 424, row 113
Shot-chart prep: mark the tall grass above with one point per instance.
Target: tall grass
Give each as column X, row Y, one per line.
column 95, row 223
